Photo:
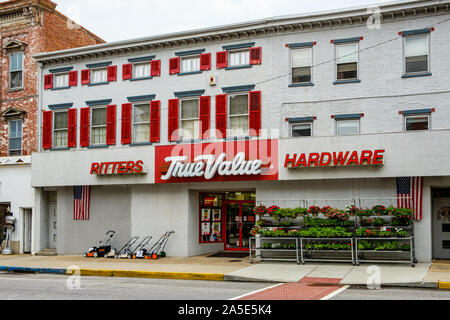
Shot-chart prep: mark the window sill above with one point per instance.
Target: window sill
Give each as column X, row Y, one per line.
column 60, row 149
column 239, row 67
column 139, row 79
column 427, row 74
column 189, row 141
column 15, row 89
column 188, row 73
column 302, row 84
column 139, row 144
column 97, row 84
column 100, row 146
column 60, row 88
column 347, row 81
column 241, row 138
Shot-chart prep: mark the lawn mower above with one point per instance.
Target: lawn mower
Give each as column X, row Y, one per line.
column 157, row 251
column 125, row 252
column 103, row 247
column 140, row 251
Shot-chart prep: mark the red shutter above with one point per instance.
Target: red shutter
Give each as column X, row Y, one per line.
column 127, row 71
column 111, row 124
column 126, row 123
column 73, row 78
column 205, row 61
column 205, row 111
column 221, row 115
column 173, row 119
column 47, row 130
column 155, row 68
column 255, row 55
column 155, row 114
column 222, row 59
column 112, row 73
column 85, row 76
column 84, row 126
column 255, row 113
column 174, row 65
column 72, row 129
column 48, row 81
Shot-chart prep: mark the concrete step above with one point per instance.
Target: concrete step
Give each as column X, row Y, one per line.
column 47, row 252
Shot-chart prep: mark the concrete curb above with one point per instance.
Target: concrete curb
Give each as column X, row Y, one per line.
column 33, row 270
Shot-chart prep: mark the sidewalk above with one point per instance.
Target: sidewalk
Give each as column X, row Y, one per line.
column 424, row 275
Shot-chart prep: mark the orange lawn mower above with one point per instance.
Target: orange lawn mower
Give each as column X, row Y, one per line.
column 103, row 247
column 157, row 251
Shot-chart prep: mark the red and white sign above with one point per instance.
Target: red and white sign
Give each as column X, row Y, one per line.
column 335, row 159
column 118, row 167
column 220, row 161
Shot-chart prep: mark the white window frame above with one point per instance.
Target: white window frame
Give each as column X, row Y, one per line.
column 183, row 58
column 189, row 119
column 291, row 128
column 91, row 126
column 9, row 138
column 347, row 120
column 10, row 71
column 60, row 74
column 91, row 75
column 310, row 63
column 230, row 52
column 417, row 116
column 133, row 69
column 229, row 116
column 428, row 53
column 336, row 45
column 53, row 127
column 133, row 136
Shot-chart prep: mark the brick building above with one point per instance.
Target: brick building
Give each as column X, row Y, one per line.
column 28, row 27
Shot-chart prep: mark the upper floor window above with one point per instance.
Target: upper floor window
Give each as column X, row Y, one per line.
column 16, row 70
column 239, row 58
column 190, row 118
column 15, row 138
column 416, row 54
column 301, row 129
column 239, row 114
column 141, row 70
column 419, row 122
column 61, row 80
column 347, row 61
column 60, row 128
column 347, row 127
column 99, row 75
column 141, row 122
column 190, row 64
column 301, row 62
column 98, row 125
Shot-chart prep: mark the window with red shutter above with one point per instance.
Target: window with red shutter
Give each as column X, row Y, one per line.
column 73, row 78
column 48, row 81
column 174, row 65
column 126, row 123
column 47, row 130
column 85, row 76
column 111, row 125
column 222, row 59
column 255, row 55
column 155, row 68
column 127, row 71
column 84, row 126
column 205, row 111
column 155, row 119
column 72, row 129
column 173, row 120
column 255, row 113
column 221, row 116
column 205, row 61
column 112, row 73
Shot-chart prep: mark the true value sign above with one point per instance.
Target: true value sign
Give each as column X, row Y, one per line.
column 221, row 161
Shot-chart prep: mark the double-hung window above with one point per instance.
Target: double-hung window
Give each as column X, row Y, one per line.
column 417, row 122
column 61, row 80
column 417, row 54
column 60, row 128
column 190, row 118
column 99, row 75
column 15, row 138
column 301, row 129
column 98, row 125
column 141, row 70
column 190, row 64
column 301, row 62
column 141, row 122
column 239, row 114
column 347, row 127
column 239, row 58
column 16, row 70
column 347, row 61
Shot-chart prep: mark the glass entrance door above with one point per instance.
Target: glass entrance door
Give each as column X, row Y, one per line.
column 239, row 223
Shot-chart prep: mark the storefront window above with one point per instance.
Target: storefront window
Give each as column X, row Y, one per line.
column 240, row 196
column 211, row 217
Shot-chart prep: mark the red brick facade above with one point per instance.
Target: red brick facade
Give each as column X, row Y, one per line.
column 31, row 27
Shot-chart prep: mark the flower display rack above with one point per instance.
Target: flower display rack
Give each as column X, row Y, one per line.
column 310, row 252
column 257, row 248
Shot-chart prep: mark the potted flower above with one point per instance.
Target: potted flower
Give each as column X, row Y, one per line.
column 314, row 211
column 352, row 210
column 272, row 210
column 379, row 210
column 260, row 210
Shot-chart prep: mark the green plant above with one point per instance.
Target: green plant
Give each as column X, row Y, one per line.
column 337, row 214
column 400, row 221
column 314, row 210
column 365, row 213
column 260, row 210
column 267, row 245
column 284, row 213
column 372, row 222
column 320, row 222
column 404, row 213
column 300, row 211
column 326, row 232
column 352, row 210
column 378, row 210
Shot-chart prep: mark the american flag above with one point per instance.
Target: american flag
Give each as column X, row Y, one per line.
column 81, row 202
column 409, row 194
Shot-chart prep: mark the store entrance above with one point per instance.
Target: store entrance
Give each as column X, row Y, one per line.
column 240, row 221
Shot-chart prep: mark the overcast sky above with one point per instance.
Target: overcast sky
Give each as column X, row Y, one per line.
column 115, row 20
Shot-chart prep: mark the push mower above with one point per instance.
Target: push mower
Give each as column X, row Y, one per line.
column 157, row 251
column 125, row 252
column 140, row 251
column 103, row 247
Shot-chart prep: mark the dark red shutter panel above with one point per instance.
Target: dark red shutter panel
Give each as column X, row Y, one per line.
column 173, row 119
column 221, row 116
column 127, row 71
column 126, row 123
column 112, row 73
column 72, row 129
column 205, row 61
column 85, row 76
column 255, row 55
column 84, row 126
column 111, row 124
column 205, row 111
column 155, row 116
column 73, row 78
column 222, row 59
column 174, row 65
column 155, row 67
column 47, row 130
column 255, row 113
column 48, row 81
